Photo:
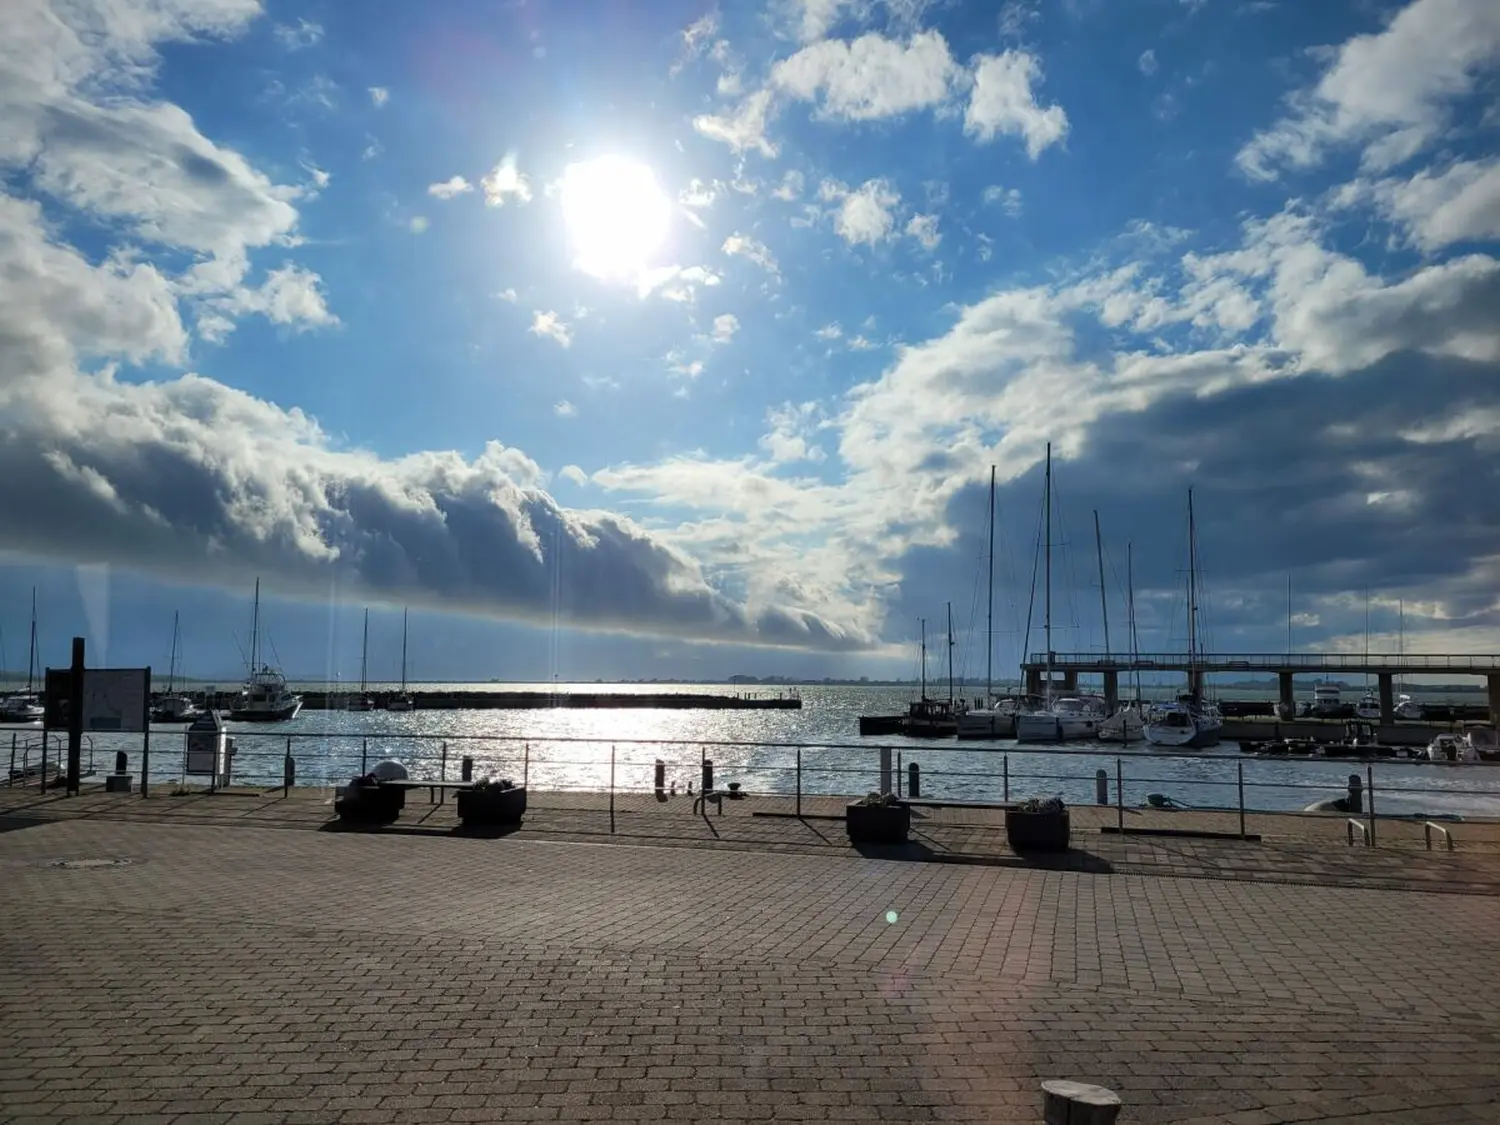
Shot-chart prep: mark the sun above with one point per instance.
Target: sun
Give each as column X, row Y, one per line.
column 616, row 214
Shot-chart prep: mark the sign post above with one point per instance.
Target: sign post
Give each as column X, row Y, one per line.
column 75, row 718
column 97, row 700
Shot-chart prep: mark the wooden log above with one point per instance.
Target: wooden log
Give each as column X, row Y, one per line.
column 1078, row 1103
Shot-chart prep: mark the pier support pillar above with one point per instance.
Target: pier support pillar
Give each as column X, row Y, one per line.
column 1288, row 694
column 1033, row 681
column 1070, row 683
column 1111, row 690
column 1494, row 683
column 1387, row 697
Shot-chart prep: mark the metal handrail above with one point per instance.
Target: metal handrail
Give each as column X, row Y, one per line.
column 1428, row 827
column 1364, row 830
column 1274, row 661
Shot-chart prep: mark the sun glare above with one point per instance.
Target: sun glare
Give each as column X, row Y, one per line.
column 616, row 215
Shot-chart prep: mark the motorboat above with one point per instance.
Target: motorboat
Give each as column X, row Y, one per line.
column 1368, row 707
column 1452, row 748
column 1409, row 708
column 1188, row 721
column 930, row 718
column 264, row 698
column 1327, row 702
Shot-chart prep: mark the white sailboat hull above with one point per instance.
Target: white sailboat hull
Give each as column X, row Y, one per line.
column 1050, row 726
column 1125, row 725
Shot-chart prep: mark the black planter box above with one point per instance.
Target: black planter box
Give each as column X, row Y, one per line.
column 1036, row 831
column 371, row 804
column 877, row 824
column 490, row 805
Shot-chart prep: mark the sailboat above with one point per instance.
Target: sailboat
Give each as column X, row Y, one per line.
column 1406, row 706
column 362, row 701
column 1191, row 720
column 932, row 718
column 174, row 707
column 1368, row 708
column 1057, row 720
column 25, row 707
column 997, row 718
column 402, row 700
column 1127, row 723
column 264, row 698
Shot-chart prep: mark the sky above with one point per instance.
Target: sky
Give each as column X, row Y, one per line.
column 668, row 339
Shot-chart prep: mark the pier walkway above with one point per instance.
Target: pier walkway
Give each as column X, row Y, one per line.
column 216, row 958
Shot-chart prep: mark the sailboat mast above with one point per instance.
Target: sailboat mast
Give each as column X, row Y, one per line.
column 1289, row 614
column 403, row 650
column 1367, row 638
column 364, row 653
column 172, row 664
column 1103, row 601
column 31, row 652
column 1047, row 602
column 1192, row 598
column 950, row 654
column 922, row 625
column 1135, row 656
column 255, row 631
column 1401, row 643
column 989, row 615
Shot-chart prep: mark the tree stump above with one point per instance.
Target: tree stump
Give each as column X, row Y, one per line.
column 1077, row 1103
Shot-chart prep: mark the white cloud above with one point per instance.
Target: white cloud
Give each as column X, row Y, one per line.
column 866, row 214
column 861, row 343
column 829, row 332
column 564, row 409
column 753, row 249
column 290, row 296
column 697, row 194
column 505, row 179
column 552, row 326
column 725, row 326
column 449, row 188
column 294, row 37
column 791, row 428
column 679, row 364
column 789, row 188
column 1459, row 204
column 870, row 77
column 924, row 229
column 676, row 283
column 1003, row 102
column 508, row 295
column 372, row 149
column 1007, row 199
column 379, row 96
column 1388, row 92
column 744, row 128
column 1147, row 62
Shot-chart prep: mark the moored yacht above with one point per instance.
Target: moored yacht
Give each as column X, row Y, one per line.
column 25, row 706
column 1065, row 720
column 264, row 698
column 174, row 707
column 1125, row 725
column 1189, row 721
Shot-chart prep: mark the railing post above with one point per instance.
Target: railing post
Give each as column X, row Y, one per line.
column 611, row 789
column 898, row 775
column 443, row 773
column 11, row 777
column 525, row 762
column 1005, row 773
column 1240, row 770
column 364, row 756
column 41, row 777
column 1120, row 795
column 286, row 769
column 1370, row 799
column 799, row 781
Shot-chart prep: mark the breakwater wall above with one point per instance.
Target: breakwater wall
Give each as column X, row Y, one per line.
column 537, row 700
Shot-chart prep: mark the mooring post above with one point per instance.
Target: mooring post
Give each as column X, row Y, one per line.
column 1370, row 799
column 799, row 780
column 659, row 779
column 1120, row 795
column 1356, row 800
column 1005, row 775
column 913, row 780
column 1101, row 787
column 1240, row 779
column 466, row 769
column 443, row 772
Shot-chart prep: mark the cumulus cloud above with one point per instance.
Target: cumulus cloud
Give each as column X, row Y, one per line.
column 1461, row 203
column 379, row 96
column 450, row 188
column 866, row 214
column 1147, row 63
column 1007, row 199
column 1003, row 103
column 564, row 409
column 752, row 249
column 744, row 128
column 870, row 77
column 552, row 327
column 1388, row 93
column 790, row 433
column 725, row 326
column 294, row 37
column 505, row 180
column 923, row 228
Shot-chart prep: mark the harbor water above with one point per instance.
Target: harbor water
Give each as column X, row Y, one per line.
column 759, row 749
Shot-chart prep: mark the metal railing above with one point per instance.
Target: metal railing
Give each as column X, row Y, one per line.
column 1265, row 661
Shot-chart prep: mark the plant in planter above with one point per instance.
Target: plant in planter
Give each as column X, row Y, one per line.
column 877, row 819
column 366, row 800
column 492, row 802
column 1038, row 825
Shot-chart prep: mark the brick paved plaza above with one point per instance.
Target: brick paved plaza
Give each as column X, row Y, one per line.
column 233, row 971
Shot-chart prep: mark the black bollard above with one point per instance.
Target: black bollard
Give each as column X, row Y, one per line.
column 466, row 769
column 120, row 761
column 1356, row 793
column 288, row 772
column 708, row 776
column 660, row 780
column 913, row 780
column 1101, row 787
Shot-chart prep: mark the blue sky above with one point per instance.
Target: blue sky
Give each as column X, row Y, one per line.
column 676, row 339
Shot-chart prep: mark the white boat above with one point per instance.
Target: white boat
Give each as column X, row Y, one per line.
column 1125, row 725
column 264, row 698
column 1327, row 702
column 1368, row 707
column 990, row 717
column 996, row 719
column 401, row 701
column 25, row 706
column 362, row 701
column 174, row 707
column 1070, row 719
column 1456, row 748
column 1190, row 721
column 1409, row 708
column 1187, row 722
